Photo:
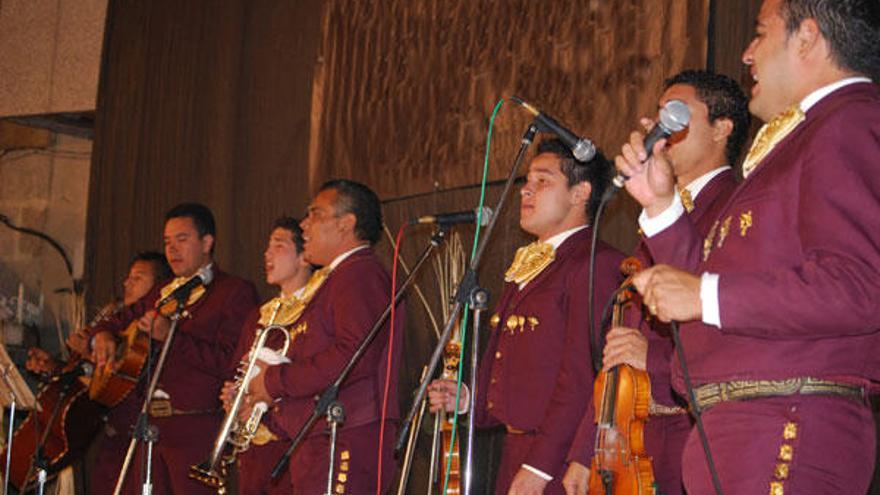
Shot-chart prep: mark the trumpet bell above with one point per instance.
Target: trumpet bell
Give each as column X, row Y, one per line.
column 215, row 479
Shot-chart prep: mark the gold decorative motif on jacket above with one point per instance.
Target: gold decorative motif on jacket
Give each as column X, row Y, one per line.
column 782, row 468
column 770, row 135
column 520, row 323
column 529, row 262
column 709, row 240
column 725, row 229
column 745, row 222
column 687, row 200
column 494, row 321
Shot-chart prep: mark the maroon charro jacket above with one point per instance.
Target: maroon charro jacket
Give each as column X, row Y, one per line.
column 337, row 318
column 799, row 266
column 539, row 378
column 203, row 342
column 712, row 198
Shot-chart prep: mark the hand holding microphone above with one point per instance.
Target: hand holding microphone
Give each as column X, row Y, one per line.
column 651, row 181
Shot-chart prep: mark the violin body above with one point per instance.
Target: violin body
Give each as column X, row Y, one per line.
column 76, row 422
column 449, row 448
column 622, row 398
column 620, row 447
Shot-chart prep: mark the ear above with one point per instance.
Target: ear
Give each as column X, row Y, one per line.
column 347, row 222
column 721, row 129
column 808, row 36
column 207, row 243
column 581, row 193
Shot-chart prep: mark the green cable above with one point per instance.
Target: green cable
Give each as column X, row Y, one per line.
column 464, row 319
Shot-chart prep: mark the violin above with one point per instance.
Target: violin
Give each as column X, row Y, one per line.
column 449, row 446
column 622, row 398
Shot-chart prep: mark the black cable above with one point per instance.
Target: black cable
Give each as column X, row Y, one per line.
column 52, row 242
column 595, row 352
column 695, row 407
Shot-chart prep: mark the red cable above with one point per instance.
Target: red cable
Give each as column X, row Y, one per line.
column 390, row 356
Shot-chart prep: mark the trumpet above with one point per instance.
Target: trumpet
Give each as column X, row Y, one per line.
column 233, row 433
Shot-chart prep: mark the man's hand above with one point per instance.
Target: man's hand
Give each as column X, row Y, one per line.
column 256, row 392
column 625, row 346
column 441, row 395
column 670, row 293
column 104, row 350
column 227, row 394
column 78, row 341
column 577, row 479
column 651, row 180
column 39, row 361
column 155, row 324
column 527, row 483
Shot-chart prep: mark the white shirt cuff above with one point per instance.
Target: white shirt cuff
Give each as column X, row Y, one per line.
column 538, row 472
column 709, row 299
column 653, row 226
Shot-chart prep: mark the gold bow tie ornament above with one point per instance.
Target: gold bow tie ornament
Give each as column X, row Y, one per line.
column 770, row 135
column 529, row 262
column 172, row 286
column 290, row 308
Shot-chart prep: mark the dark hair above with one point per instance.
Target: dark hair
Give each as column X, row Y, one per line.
column 200, row 214
column 851, row 27
column 598, row 171
column 362, row 202
column 725, row 100
column 291, row 224
column 161, row 269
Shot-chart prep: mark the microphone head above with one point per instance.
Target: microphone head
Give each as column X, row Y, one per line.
column 675, row 116
column 206, row 274
column 584, row 150
column 483, row 216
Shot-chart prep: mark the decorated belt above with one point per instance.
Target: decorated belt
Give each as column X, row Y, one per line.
column 711, row 394
column 657, row 409
column 162, row 408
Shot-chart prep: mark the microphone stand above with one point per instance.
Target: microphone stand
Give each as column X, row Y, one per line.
column 327, row 402
column 476, row 297
column 144, row 431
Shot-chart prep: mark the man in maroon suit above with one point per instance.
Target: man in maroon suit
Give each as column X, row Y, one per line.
column 347, row 296
column 286, row 268
column 781, row 296
column 701, row 158
column 536, row 376
column 185, row 406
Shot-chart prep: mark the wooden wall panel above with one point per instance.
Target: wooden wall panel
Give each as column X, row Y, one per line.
column 403, row 88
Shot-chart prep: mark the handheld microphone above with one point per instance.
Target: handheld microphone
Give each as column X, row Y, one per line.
column 469, row 216
column 582, row 149
column 202, row 278
column 675, row 116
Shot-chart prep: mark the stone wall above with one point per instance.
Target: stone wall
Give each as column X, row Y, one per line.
column 46, row 189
